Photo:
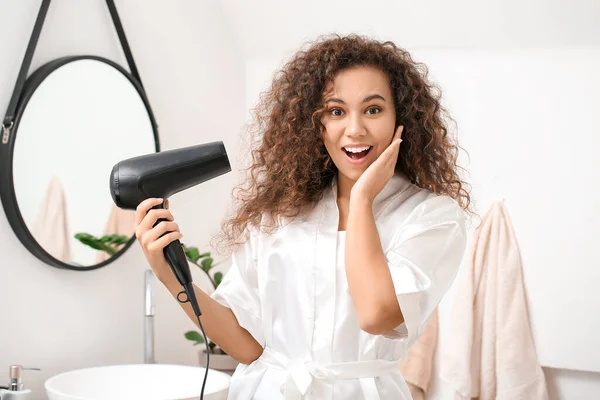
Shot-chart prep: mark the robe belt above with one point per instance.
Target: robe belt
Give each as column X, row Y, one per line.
column 301, row 374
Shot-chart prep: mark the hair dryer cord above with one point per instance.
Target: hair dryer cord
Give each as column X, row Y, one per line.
column 190, row 297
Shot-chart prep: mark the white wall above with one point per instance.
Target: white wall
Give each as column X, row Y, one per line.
column 274, row 27
column 194, row 76
column 527, row 120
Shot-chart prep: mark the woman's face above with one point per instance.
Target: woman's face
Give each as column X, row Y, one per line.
column 359, row 119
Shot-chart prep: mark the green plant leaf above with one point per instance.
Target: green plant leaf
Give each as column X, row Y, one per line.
column 115, row 239
column 94, row 242
column 218, row 278
column 195, row 337
column 207, row 264
column 192, row 253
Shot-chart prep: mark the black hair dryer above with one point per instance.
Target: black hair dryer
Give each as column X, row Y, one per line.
column 162, row 175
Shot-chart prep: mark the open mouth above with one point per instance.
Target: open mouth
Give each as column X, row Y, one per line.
column 357, row 155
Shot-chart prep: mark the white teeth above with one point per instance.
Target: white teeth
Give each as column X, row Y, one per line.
column 356, row 149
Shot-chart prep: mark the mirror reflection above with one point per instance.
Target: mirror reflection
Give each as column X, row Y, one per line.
column 82, row 119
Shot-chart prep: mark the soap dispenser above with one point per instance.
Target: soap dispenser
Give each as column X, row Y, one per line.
column 15, row 389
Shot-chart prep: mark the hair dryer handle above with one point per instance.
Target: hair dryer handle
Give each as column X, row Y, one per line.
column 176, row 258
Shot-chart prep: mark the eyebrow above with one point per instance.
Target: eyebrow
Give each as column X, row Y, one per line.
column 368, row 98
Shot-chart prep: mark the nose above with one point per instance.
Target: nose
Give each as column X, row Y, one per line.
column 355, row 125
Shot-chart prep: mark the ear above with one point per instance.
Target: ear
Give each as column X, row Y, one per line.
column 321, row 131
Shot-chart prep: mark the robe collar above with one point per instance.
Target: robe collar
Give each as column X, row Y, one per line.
column 328, row 219
column 397, row 183
column 326, row 214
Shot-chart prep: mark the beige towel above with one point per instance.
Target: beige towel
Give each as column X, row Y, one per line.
column 419, row 364
column 490, row 353
column 119, row 222
column 51, row 227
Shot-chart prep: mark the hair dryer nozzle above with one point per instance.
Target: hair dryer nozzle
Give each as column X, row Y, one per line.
column 165, row 173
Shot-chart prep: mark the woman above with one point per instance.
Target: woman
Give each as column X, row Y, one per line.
column 352, row 228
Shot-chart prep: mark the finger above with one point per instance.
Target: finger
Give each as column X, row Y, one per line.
column 143, row 207
column 150, row 219
column 393, row 150
column 164, row 241
column 153, row 234
column 399, row 131
column 397, row 135
column 167, row 204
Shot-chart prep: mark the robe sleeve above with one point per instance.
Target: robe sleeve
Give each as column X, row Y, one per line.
column 424, row 258
column 238, row 290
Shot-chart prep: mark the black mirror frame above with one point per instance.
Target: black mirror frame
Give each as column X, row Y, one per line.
column 7, row 190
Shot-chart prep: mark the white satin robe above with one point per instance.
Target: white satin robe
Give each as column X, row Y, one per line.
column 289, row 290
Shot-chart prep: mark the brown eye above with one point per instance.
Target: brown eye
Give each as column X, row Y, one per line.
column 375, row 110
column 336, row 112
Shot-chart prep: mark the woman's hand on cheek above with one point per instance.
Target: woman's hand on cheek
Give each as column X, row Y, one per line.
column 378, row 174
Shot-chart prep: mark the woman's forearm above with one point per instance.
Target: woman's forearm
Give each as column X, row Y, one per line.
column 367, row 271
column 220, row 324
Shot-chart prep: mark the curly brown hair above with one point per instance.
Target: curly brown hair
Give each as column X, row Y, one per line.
column 290, row 166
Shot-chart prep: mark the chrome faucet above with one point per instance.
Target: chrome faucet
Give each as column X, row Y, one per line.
column 149, row 284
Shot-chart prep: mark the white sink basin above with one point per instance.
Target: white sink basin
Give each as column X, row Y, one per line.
column 138, row 381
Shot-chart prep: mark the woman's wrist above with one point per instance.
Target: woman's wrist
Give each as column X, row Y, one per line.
column 170, row 281
column 360, row 201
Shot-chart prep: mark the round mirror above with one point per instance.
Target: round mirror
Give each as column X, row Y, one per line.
column 77, row 117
